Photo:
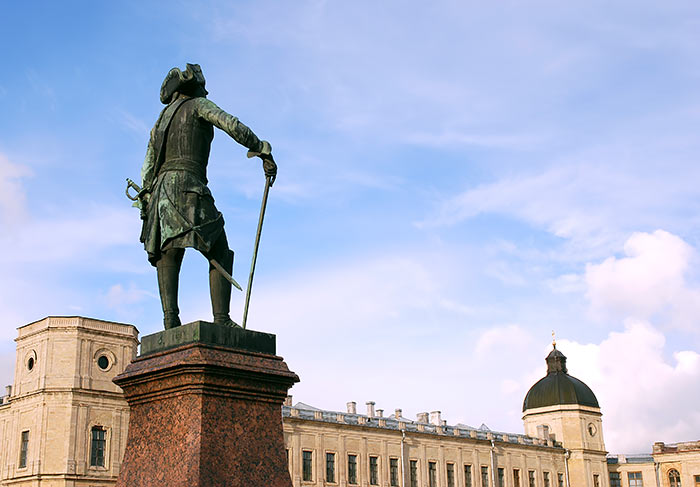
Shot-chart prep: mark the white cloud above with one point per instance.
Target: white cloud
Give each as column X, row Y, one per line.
column 649, row 282
column 119, row 297
column 12, row 194
column 644, row 396
column 358, row 294
column 549, row 200
column 50, row 264
column 134, row 124
column 590, row 207
column 504, row 272
column 567, row 283
column 454, row 138
column 496, row 339
column 64, row 238
column 647, row 389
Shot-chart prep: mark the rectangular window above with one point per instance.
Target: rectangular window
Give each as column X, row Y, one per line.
column 531, row 478
column 330, row 467
column 697, row 481
column 560, row 480
column 484, row 476
column 450, row 475
column 596, row 480
column 307, row 466
column 373, row 471
column 97, row 447
column 352, row 469
column 635, row 479
column 432, row 474
column 501, row 480
column 414, row 473
column 516, row 477
column 615, row 480
column 23, row 449
column 545, row 476
column 394, row 472
column 467, row 476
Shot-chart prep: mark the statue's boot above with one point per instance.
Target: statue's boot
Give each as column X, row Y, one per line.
column 168, row 268
column 220, row 289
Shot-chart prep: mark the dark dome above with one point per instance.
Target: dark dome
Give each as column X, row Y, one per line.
column 558, row 387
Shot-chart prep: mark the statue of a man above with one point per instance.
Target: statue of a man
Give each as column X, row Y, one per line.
column 177, row 207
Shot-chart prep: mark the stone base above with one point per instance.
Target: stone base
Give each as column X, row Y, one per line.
column 206, row 415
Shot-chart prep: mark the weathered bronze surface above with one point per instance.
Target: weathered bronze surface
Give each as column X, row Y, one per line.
column 210, row 334
column 177, row 208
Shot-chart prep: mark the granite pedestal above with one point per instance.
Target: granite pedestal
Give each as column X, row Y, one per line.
column 205, row 405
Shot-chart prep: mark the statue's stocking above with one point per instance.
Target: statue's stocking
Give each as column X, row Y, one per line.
column 219, row 286
column 168, row 268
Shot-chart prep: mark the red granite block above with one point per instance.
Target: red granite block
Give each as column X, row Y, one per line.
column 204, row 415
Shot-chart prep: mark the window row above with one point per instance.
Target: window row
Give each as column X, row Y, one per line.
column 307, row 472
column 98, row 444
column 634, row 479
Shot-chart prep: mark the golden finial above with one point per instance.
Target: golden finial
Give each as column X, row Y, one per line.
column 554, row 340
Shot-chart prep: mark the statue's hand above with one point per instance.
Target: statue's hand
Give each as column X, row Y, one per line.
column 144, row 198
column 270, row 167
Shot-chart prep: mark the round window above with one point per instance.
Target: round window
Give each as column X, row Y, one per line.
column 30, row 363
column 103, row 362
column 592, row 429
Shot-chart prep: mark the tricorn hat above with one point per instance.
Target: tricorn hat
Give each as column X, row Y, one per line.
column 183, row 82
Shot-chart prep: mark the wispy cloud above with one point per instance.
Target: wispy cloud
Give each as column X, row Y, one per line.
column 41, row 87
column 118, row 296
column 13, row 196
column 64, row 239
column 134, row 124
column 594, row 207
column 453, row 139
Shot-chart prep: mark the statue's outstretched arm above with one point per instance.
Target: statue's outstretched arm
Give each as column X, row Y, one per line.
column 231, row 125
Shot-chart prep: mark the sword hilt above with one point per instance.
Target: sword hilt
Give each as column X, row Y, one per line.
column 130, row 184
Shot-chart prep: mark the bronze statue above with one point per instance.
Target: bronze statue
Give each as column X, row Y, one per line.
column 177, row 207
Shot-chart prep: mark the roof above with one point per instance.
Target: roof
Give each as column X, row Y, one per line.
column 558, row 387
column 306, row 412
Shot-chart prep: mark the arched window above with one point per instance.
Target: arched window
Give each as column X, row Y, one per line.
column 674, row 478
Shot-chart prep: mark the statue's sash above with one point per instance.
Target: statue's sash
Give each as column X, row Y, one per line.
column 161, row 135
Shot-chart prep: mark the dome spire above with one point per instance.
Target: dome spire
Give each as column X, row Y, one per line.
column 554, row 340
column 556, row 361
column 558, row 387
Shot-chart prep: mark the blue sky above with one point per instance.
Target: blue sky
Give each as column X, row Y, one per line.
column 457, row 179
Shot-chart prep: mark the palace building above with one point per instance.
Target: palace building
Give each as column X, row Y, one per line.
column 64, row 423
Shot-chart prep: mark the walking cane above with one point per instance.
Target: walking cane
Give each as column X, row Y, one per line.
column 255, row 250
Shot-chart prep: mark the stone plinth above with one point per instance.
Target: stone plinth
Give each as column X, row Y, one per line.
column 204, row 413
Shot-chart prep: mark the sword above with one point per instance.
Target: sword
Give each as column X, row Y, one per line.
column 139, row 194
column 226, row 275
column 268, row 183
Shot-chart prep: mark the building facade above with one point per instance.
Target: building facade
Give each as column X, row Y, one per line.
column 347, row 448
column 669, row 465
column 64, row 423
column 563, row 408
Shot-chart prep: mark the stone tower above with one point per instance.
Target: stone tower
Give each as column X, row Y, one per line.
column 63, row 418
column 563, row 408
